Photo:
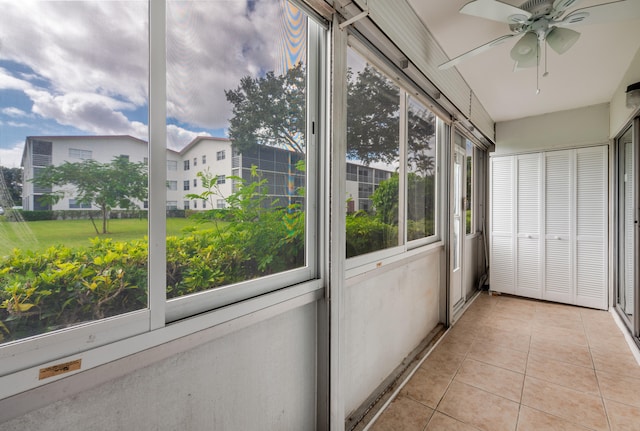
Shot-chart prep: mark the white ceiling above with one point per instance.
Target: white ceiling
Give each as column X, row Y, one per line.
column 587, row 74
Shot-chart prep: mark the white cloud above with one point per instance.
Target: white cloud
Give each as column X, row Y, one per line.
column 12, row 111
column 87, row 62
column 9, row 82
column 11, row 157
column 178, row 138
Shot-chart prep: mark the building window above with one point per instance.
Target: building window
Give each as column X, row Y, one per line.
column 220, row 155
column 204, row 203
column 195, row 204
column 145, row 160
column 185, row 185
column 75, row 153
column 172, row 165
column 145, row 204
column 195, row 182
column 186, row 165
column 195, row 161
column 74, row 204
column 221, row 204
column 124, row 157
column 204, row 159
column 172, row 185
column 172, row 205
column 186, row 205
column 221, row 179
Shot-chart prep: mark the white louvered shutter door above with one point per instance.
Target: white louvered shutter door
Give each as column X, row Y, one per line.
column 502, row 224
column 558, row 179
column 591, row 227
column 528, row 279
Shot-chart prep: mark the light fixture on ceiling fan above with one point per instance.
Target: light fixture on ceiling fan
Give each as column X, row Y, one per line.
column 540, row 22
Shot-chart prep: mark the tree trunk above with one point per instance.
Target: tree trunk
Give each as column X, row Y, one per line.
column 104, row 219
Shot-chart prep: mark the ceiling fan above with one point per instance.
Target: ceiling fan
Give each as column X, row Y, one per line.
column 540, row 21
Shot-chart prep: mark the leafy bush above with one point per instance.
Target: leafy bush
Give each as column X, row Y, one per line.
column 366, row 234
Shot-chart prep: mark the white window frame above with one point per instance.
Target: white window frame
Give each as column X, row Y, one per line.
column 361, row 264
column 100, row 342
column 221, row 155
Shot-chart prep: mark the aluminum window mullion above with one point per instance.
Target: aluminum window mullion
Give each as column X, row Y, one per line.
column 157, row 163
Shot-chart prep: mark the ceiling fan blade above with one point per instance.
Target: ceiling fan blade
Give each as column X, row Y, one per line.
column 609, row 12
column 496, row 11
column 562, row 5
column 475, row 51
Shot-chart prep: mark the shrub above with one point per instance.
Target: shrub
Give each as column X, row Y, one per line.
column 366, row 234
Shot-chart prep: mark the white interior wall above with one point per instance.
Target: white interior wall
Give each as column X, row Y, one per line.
column 390, row 311
column 620, row 114
column 262, row 377
column 556, row 130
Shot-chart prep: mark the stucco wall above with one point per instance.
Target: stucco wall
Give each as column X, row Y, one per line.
column 258, row 378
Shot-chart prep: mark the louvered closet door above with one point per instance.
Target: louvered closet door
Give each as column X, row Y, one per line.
column 502, row 256
column 558, row 186
column 528, row 279
column 591, row 227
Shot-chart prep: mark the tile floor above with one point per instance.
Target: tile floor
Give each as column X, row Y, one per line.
column 517, row 364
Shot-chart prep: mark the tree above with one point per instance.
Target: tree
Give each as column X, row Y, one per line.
column 269, row 110
column 12, row 178
column 118, row 184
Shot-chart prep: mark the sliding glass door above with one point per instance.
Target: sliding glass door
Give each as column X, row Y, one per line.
column 627, row 294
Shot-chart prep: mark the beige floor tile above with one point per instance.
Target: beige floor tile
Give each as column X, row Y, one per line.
column 565, row 352
column 612, row 342
column 515, row 326
column 548, row 310
column 443, row 360
column 427, row 386
column 619, row 388
column 623, row 417
column 498, row 381
column 543, row 321
column 440, row 422
column 494, row 354
column 582, row 379
column 535, row 420
column 622, row 363
column 505, row 339
column 478, row 408
column 455, row 346
column 571, row 405
column 403, row 414
column 560, row 335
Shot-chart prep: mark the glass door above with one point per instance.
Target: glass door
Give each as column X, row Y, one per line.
column 458, row 212
column 627, row 221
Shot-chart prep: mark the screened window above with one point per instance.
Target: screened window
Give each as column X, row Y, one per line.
column 186, row 165
column 265, row 47
column 172, row 165
column 373, row 145
column 172, row 205
column 92, row 102
column 172, row 185
column 421, row 171
column 185, row 185
column 195, row 161
column 204, row 159
column 186, row 205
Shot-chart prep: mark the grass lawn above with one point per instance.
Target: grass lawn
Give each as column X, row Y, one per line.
column 39, row 235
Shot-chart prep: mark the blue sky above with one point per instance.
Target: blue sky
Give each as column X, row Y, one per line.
column 81, row 67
